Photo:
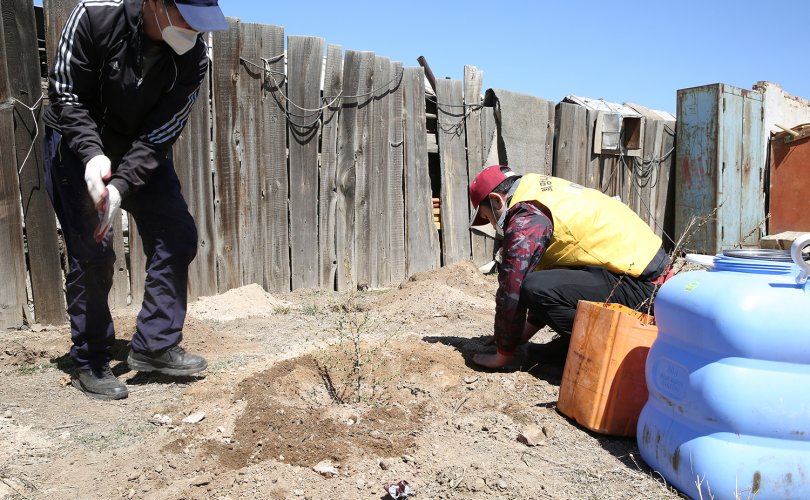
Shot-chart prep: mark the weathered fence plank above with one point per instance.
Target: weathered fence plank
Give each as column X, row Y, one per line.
column 594, row 171
column 332, row 87
column 305, row 56
column 250, row 91
column 137, row 262
column 353, row 158
column 665, row 188
column 39, row 223
column 119, row 293
column 364, row 161
column 56, row 15
column 263, row 222
column 378, row 178
column 655, row 170
column 274, row 166
column 12, row 265
column 525, row 130
column 422, row 244
column 227, row 137
column 396, row 224
column 645, row 169
column 489, row 137
column 473, row 80
column 454, row 192
column 345, row 175
column 571, row 148
column 192, row 160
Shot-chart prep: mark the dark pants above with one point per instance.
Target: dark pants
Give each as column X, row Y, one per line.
column 170, row 242
column 551, row 296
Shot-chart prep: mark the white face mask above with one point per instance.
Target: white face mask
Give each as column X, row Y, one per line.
column 181, row 40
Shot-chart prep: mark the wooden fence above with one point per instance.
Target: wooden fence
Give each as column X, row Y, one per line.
column 304, row 165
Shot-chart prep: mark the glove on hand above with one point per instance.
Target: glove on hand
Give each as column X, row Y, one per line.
column 96, row 171
column 107, row 212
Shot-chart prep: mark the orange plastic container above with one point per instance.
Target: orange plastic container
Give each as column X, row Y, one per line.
column 603, row 386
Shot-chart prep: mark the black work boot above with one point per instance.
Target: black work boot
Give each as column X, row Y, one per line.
column 172, row 361
column 100, row 383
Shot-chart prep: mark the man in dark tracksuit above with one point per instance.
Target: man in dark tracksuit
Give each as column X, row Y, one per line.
column 125, row 76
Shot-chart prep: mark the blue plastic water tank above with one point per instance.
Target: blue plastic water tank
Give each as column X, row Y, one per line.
column 729, row 378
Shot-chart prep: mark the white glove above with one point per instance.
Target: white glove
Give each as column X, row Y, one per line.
column 107, row 212
column 96, row 172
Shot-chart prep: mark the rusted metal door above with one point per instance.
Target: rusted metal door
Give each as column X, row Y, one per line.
column 789, row 199
column 720, row 167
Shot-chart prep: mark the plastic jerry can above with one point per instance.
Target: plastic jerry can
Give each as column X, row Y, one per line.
column 603, row 386
column 729, row 378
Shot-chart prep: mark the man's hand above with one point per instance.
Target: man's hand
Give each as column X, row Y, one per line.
column 96, row 172
column 108, row 211
column 492, row 361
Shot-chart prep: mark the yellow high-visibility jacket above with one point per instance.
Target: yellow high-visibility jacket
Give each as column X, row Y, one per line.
column 590, row 228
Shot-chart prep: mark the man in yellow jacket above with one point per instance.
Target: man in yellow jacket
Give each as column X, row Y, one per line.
column 562, row 243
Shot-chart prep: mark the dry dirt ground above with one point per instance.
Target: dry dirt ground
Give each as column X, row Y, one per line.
column 281, row 398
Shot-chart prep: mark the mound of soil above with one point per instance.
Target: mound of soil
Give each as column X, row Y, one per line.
column 447, row 292
column 249, row 301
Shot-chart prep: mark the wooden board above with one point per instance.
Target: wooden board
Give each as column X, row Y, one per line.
column 274, row 167
column 473, row 80
column 594, row 172
column 332, row 86
column 378, row 178
column 546, row 122
column 364, row 161
column 263, row 216
column 250, row 91
column 396, row 143
column 305, row 60
column 647, row 169
column 489, row 136
column 571, row 149
column 525, row 131
column 137, row 263
column 665, row 188
column 454, row 180
column 227, row 137
column 351, row 210
column 45, row 268
column 119, row 293
column 422, row 244
column 56, row 14
column 192, row 161
column 12, row 265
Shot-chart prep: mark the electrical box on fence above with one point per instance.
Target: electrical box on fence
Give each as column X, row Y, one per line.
column 618, row 134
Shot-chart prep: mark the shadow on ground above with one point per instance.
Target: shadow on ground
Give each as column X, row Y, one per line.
column 533, row 361
column 119, row 367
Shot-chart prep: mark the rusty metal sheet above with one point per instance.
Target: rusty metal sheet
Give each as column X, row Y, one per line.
column 789, row 201
column 719, row 167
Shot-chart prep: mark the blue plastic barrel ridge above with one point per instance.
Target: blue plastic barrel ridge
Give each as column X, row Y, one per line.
column 729, row 379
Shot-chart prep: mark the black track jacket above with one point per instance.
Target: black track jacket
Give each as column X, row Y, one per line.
column 102, row 104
